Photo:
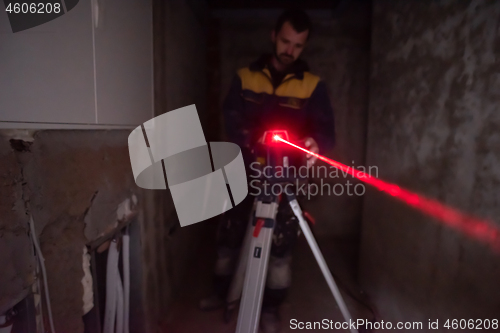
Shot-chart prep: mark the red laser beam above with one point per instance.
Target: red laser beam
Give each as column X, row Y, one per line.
column 472, row 226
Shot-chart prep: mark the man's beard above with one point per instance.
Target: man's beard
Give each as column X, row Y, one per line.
column 282, row 56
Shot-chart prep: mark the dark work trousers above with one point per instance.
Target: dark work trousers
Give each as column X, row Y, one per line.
column 231, row 233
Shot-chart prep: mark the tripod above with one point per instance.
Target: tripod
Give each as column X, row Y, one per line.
column 250, row 276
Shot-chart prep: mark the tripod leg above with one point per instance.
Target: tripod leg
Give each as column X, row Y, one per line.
column 321, row 261
column 236, row 287
column 255, row 279
column 257, row 262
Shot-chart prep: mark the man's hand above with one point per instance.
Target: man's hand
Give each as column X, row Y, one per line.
column 312, row 146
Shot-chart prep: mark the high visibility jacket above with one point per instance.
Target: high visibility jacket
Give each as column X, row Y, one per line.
column 300, row 105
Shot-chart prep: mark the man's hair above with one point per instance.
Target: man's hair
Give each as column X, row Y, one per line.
column 298, row 19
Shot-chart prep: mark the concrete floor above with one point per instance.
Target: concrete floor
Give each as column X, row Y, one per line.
column 310, row 298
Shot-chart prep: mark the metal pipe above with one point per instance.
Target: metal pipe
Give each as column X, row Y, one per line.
column 119, row 304
column 111, row 277
column 126, row 280
column 44, row 272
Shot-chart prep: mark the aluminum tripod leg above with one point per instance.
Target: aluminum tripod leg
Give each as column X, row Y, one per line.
column 234, row 293
column 321, row 261
column 256, row 271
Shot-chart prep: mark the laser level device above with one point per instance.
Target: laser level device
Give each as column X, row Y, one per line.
column 279, row 163
column 251, row 272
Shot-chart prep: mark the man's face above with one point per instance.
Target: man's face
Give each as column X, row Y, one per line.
column 288, row 43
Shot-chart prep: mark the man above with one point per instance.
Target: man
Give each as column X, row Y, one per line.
column 275, row 92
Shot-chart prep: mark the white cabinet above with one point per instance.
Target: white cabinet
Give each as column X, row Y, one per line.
column 124, row 58
column 89, row 68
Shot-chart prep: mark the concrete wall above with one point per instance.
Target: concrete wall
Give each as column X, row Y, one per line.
column 338, row 53
column 186, row 70
column 180, row 80
column 433, row 128
column 16, row 258
column 71, row 182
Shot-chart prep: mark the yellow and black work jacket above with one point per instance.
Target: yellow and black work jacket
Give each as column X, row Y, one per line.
column 299, row 104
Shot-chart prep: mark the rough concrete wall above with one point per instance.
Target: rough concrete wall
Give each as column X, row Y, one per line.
column 186, row 84
column 185, row 57
column 71, row 182
column 180, row 58
column 338, row 53
column 68, row 173
column 434, row 128
column 16, row 257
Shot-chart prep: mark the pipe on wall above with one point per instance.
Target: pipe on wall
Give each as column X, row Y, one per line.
column 111, row 288
column 126, row 280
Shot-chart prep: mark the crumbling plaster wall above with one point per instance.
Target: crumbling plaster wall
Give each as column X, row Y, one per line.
column 338, row 52
column 434, row 125
column 71, row 182
column 16, row 257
